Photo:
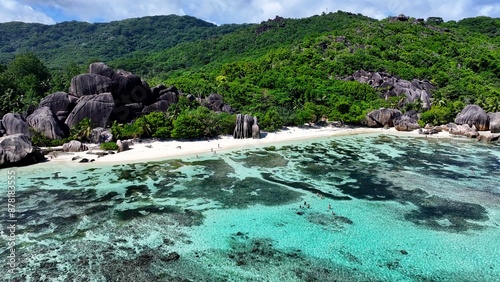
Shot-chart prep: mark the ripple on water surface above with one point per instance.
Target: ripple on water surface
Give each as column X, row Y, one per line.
column 354, row 208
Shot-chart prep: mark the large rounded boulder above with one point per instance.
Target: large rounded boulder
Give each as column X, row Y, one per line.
column 74, row 146
column 474, row 115
column 14, row 124
column 406, row 123
column 97, row 108
column 90, row 84
column 494, row 122
column 17, row 150
column 382, row 117
column 57, row 102
column 44, row 121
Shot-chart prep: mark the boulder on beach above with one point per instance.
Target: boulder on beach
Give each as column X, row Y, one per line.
column 473, row 115
column 406, row 123
column 463, row 130
column 255, row 129
column 74, row 146
column 100, row 135
column 244, row 127
column 382, row 117
column 122, row 145
column 97, row 108
column 494, row 122
column 488, row 137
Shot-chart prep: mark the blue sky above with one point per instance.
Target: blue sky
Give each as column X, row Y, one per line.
column 236, row 11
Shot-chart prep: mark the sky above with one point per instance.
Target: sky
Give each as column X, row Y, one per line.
column 236, row 11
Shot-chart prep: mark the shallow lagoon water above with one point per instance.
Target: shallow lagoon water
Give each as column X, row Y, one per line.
column 404, row 209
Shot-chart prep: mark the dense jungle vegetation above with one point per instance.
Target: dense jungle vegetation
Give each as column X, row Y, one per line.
column 284, row 71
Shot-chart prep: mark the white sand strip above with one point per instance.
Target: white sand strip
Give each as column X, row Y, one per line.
column 158, row 150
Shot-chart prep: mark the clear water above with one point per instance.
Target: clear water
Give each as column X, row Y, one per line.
column 353, row 208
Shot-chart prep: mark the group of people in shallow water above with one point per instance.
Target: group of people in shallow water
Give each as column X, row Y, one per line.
column 306, row 205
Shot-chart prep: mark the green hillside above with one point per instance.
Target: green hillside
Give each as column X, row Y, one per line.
column 79, row 42
column 284, row 71
column 277, row 67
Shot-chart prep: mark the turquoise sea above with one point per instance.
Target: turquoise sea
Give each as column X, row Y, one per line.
column 353, row 208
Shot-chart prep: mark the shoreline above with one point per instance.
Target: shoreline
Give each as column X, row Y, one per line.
column 162, row 150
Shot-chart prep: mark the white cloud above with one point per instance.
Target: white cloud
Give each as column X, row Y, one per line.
column 237, row 11
column 11, row 10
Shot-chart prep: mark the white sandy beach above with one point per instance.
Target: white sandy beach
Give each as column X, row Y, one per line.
column 158, row 150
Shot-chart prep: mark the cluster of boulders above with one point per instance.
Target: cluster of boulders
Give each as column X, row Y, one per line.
column 390, row 86
column 393, row 118
column 103, row 95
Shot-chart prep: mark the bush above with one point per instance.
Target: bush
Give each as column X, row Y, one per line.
column 192, row 124
column 126, row 131
column 109, row 146
column 38, row 139
column 162, row 133
column 437, row 115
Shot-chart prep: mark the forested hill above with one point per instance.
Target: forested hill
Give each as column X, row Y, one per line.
column 284, row 71
column 79, row 42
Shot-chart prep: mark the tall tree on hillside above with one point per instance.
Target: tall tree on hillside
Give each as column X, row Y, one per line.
column 31, row 78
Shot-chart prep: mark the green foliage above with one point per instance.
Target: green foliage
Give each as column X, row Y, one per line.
column 284, row 71
column 61, row 79
column 109, row 146
column 78, row 42
column 192, row 124
column 81, row 131
column 436, row 115
column 202, row 122
column 272, row 120
column 10, row 94
column 23, row 82
column 159, row 124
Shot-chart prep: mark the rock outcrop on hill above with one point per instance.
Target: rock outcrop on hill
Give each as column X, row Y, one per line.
column 16, row 149
column 382, row 117
column 74, row 146
column 171, row 95
column 44, row 121
column 127, row 87
column 160, row 106
column 255, row 129
column 390, row 86
column 473, row 115
column 215, row 102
